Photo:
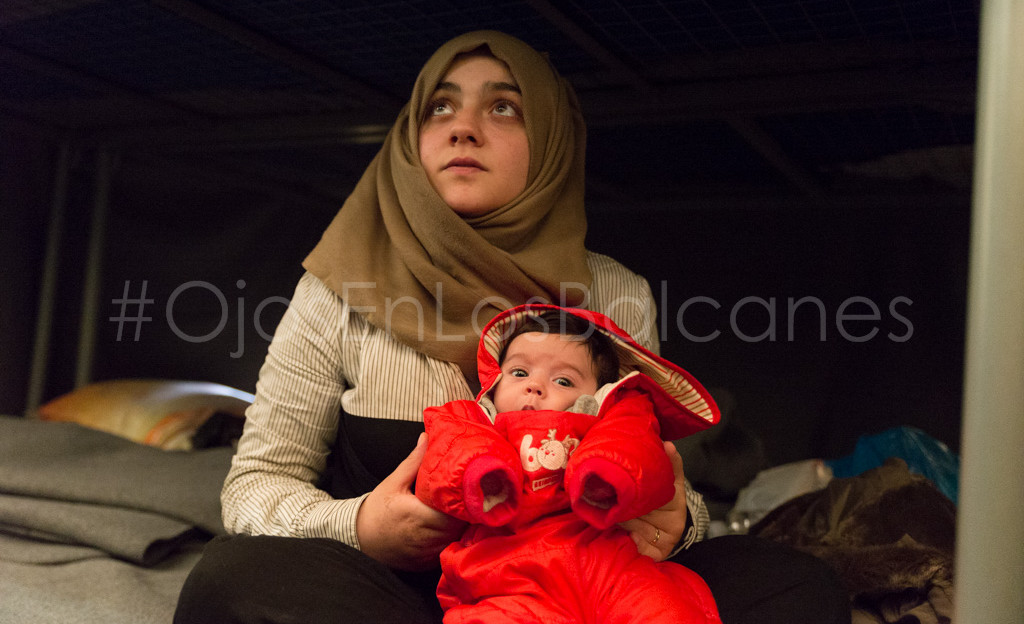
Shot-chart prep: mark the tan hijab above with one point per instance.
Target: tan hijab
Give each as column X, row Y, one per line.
column 413, row 267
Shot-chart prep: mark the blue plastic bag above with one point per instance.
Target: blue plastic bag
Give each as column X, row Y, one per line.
column 924, row 455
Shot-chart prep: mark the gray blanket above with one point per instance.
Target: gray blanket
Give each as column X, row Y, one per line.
column 97, row 528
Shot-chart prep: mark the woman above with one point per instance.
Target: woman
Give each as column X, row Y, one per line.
column 473, row 204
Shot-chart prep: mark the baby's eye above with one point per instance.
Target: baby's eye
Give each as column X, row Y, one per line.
column 506, row 109
column 562, row 381
column 517, row 372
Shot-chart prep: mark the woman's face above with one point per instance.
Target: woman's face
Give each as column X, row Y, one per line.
column 473, row 142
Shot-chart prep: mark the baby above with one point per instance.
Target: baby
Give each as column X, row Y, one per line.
column 555, row 452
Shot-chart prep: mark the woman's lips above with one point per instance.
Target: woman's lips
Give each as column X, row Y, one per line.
column 464, row 165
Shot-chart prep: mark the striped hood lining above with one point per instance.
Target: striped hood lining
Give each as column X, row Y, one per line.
column 684, row 405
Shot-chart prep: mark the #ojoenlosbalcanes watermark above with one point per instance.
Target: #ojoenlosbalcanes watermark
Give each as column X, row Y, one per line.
column 142, row 301
column 843, row 316
column 851, row 310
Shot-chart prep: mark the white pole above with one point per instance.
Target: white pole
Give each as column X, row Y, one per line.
column 990, row 526
column 48, row 287
column 94, row 265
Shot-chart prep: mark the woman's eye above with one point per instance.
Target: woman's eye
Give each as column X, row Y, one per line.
column 506, row 109
column 440, row 108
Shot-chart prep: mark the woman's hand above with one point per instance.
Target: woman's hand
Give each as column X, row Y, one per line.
column 398, row 529
column 657, row 533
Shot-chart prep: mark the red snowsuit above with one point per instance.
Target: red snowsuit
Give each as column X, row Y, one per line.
column 543, row 545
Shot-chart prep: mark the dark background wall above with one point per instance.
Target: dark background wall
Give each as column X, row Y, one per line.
column 214, row 254
column 26, row 170
column 725, row 281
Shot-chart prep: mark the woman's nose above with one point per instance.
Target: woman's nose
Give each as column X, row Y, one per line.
column 465, row 128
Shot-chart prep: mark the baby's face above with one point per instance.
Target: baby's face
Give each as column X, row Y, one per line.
column 544, row 372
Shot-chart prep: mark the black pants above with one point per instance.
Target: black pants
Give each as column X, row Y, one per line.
column 308, row 581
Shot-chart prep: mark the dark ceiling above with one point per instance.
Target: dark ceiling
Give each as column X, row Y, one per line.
column 689, row 103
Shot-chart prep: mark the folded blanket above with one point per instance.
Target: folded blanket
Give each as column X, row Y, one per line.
column 63, row 483
column 47, row 583
column 888, row 533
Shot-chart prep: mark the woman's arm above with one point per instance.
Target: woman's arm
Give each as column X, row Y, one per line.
column 290, row 430
column 291, row 426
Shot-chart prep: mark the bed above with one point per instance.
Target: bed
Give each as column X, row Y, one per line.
column 104, row 525
column 108, row 495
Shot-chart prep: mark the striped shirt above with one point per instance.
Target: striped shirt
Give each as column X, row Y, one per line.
column 325, row 357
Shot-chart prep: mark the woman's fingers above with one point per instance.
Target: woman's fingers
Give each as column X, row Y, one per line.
column 397, row 528
column 648, row 538
column 656, row 533
column 677, row 466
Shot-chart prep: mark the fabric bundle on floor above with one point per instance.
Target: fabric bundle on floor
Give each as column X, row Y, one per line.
column 888, row 533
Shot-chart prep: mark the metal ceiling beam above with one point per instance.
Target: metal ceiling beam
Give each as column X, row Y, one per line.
column 36, row 65
column 363, row 126
column 810, row 58
column 771, row 151
column 270, row 48
column 949, row 86
column 580, row 37
column 171, row 172
column 747, row 128
column 335, row 185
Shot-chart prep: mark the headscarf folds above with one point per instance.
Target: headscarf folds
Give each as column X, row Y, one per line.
column 431, row 278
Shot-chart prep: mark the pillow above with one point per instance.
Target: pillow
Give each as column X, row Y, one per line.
column 160, row 413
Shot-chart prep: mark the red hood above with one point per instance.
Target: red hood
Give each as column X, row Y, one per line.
column 683, row 405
